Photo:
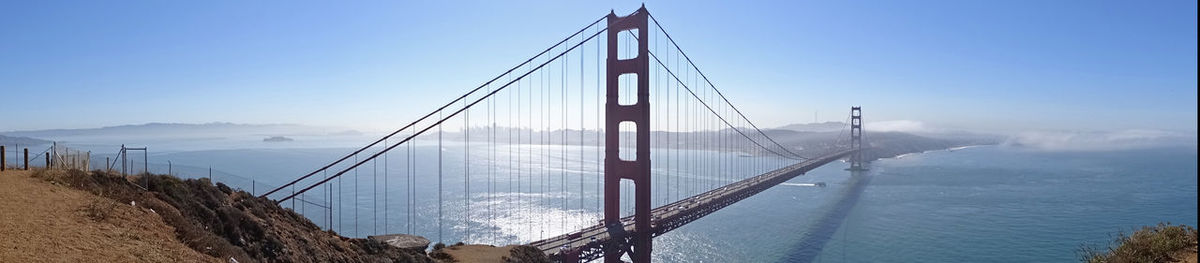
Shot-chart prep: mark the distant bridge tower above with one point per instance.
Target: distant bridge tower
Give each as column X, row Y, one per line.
column 637, row 170
column 856, row 158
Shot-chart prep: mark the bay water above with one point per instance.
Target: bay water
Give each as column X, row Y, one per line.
column 973, row 204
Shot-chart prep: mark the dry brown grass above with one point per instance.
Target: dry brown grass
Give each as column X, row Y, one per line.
column 1161, row 243
column 225, row 223
column 44, row 221
column 176, row 220
column 489, row 254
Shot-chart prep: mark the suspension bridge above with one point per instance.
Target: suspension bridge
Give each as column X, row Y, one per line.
column 599, row 143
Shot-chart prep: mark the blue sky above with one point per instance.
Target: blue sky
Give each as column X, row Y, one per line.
column 1002, row 66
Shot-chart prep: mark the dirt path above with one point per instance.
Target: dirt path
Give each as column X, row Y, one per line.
column 479, row 253
column 1187, row 255
column 43, row 222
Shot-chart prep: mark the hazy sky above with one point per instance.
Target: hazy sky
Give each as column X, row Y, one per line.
column 978, row 65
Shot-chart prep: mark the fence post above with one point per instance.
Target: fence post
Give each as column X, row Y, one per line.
column 47, row 160
column 27, row 159
column 3, row 159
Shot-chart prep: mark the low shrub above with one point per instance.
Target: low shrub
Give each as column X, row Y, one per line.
column 1161, row 243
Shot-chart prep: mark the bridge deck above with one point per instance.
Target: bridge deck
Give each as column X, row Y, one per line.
column 589, row 243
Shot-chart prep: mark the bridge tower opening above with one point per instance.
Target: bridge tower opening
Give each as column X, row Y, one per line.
column 856, row 158
column 638, row 113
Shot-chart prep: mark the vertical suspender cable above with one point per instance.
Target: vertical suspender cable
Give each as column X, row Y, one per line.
column 374, row 196
column 581, row 128
column 467, row 169
column 490, row 151
column 519, row 152
column 543, row 139
column 355, row 196
column 408, row 164
column 385, row 188
column 439, row 151
column 670, row 144
column 599, row 130
column 340, row 198
column 658, row 120
column 678, row 133
column 509, row 138
column 563, row 135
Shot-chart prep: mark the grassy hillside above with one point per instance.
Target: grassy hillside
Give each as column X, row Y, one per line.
column 217, row 222
column 47, row 222
column 1160, row 243
column 223, row 223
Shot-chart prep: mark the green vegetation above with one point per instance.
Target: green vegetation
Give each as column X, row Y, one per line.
column 526, row 254
column 1161, row 243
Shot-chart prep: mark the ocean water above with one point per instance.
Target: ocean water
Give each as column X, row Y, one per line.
column 976, row 204
column 980, row 204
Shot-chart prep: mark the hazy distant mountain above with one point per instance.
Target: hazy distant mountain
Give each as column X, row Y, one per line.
column 805, row 143
column 816, row 127
column 6, row 140
column 217, row 129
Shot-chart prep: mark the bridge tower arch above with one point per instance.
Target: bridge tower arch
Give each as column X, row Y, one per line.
column 616, row 169
column 856, row 158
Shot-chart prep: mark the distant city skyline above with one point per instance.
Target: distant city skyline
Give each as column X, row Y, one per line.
column 1005, row 67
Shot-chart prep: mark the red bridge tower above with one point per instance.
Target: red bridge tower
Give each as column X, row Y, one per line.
column 616, row 169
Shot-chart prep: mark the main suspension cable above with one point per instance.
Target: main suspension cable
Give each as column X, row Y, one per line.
column 714, row 87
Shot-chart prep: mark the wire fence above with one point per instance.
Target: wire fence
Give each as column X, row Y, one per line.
column 64, row 157
column 127, row 161
column 17, row 158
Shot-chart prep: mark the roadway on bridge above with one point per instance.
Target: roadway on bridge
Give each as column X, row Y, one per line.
column 589, row 241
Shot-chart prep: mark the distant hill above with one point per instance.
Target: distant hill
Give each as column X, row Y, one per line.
column 186, row 130
column 816, row 127
column 6, row 140
column 804, row 143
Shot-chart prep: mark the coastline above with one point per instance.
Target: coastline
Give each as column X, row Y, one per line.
column 951, row 149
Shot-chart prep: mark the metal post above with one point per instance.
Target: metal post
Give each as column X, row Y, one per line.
column 27, row 159
column 146, row 174
column 637, row 170
column 3, row 158
column 170, row 168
